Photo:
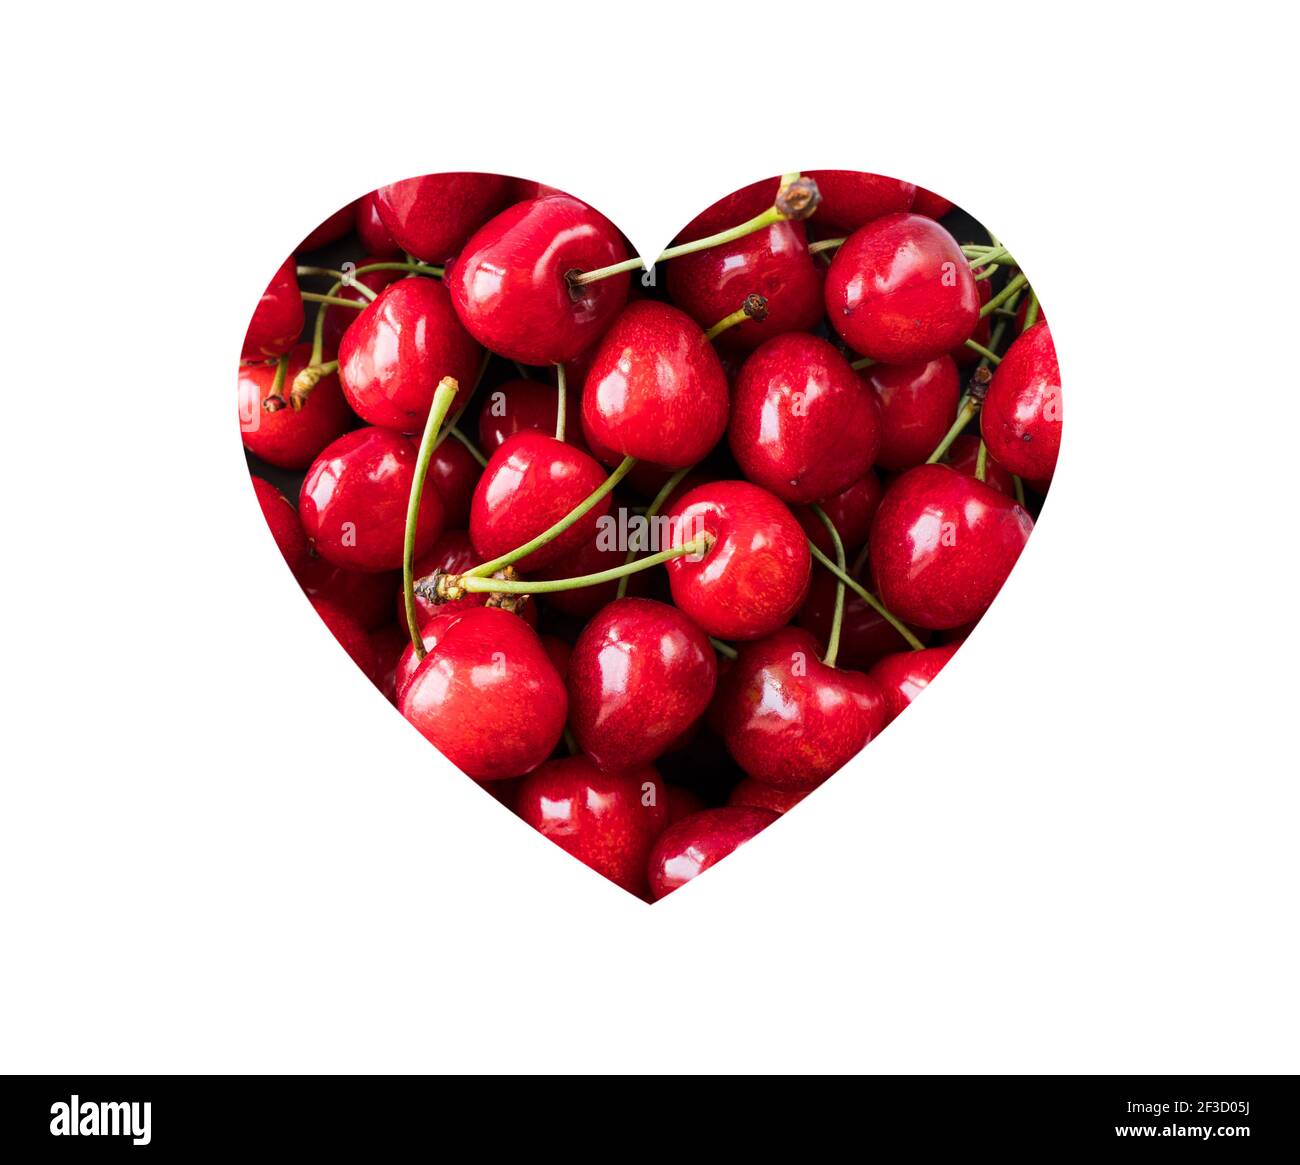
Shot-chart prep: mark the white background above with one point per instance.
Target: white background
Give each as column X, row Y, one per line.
column 221, row 850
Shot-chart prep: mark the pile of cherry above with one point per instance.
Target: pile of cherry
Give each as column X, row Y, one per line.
column 650, row 555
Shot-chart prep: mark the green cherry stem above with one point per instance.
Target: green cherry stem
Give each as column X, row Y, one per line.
column 474, row 450
column 1031, row 312
column 334, row 300
column 987, row 353
column 442, row 398
column 867, row 597
column 837, row 619
column 483, row 570
column 275, row 397
column 413, row 268
column 982, row 462
column 1012, row 288
column 1019, row 488
column 863, row 362
column 474, row 583
column 724, row 648
column 825, row 245
column 754, row 308
column 343, row 278
column 561, row 402
column 969, row 407
column 651, row 511
column 460, row 412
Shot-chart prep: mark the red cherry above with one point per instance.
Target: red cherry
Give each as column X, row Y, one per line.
column 640, row 675
column 354, row 498
column 370, row 229
column 752, row 794
column 366, row 596
column 487, row 695
column 788, row 719
column 278, row 318
column 900, row 290
column 559, row 652
column 397, row 351
column 521, row 404
column 339, row 319
column 905, row 676
column 694, row 844
column 530, row 483
column 287, row 437
column 282, row 518
column 525, row 190
column 967, row 357
column 930, row 204
column 351, row 635
column 1022, row 313
column 851, row 198
column 851, row 510
column 454, row 473
column 865, row 635
column 803, row 423
column 1021, row 418
column 509, row 284
column 774, row 263
column 738, row 207
column 656, row 390
column 453, row 552
column 387, row 645
column 755, row 574
column 942, row 545
column 918, row 404
column 431, row 217
column 681, row 803
column 607, row 821
column 331, row 230
column 963, row 456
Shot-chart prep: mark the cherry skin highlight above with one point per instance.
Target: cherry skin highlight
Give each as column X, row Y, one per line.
column 432, row 216
column 640, row 675
column 1021, row 418
column 286, row 437
column 530, row 483
column 905, row 676
column 487, row 695
column 685, row 850
column 655, row 390
column 803, row 423
column 509, row 283
column 282, row 519
column 278, row 318
column 354, row 498
column 397, row 351
column 942, row 545
column 918, row 404
column 788, row 719
column 608, row 821
column 900, row 290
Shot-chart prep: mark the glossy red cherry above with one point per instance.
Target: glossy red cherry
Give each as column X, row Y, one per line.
column 754, row 794
column 788, row 719
column 900, row 290
column 287, row 437
column 608, row 821
column 432, row 216
column 1021, row 417
column 278, row 318
column 509, row 284
column 397, row 351
column 374, row 236
column 366, row 596
column 387, row 645
column 352, row 637
column 521, row 404
column 339, row 319
column 331, row 230
column 487, row 695
column 851, row 198
column 865, row 635
column 803, row 423
column 640, row 675
column 525, row 190
column 774, row 263
column 930, row 204
column 454, row 552
column 454, row 473
column 963, row 456
column 918, row 404
column 656, row 390
column 530, row 483
column 694, row 844
column 905, row 676
column 967, row 357
column 282, row 518
column 851, row 510
column 754, row 575
column 354, row 498
column 942, row 545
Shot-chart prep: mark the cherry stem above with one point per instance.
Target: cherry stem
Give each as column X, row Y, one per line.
column 754, row 308
column 1031, row 312
column 860, row 561
column 653, row 509
column 797, row 198
column 443, row 395
column 344, row 279
column 864, row 362
column 970, row 406
column 1019, row 488
column 987, row 353
column 867, row 597
column 475, row 583
column 724, row 648
column 837, row 619
column 1005, row 294
column 485, row 569
column 413, row 268
column 334, row 300
column 561, row 402
column 460, row 412
column 982, row 462
column 474, row 450
column 275, row 397
column 825, row 245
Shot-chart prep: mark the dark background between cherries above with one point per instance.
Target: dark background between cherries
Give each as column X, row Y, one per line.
column 706, row 768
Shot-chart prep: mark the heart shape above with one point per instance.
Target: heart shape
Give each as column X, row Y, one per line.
column 650, row 559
